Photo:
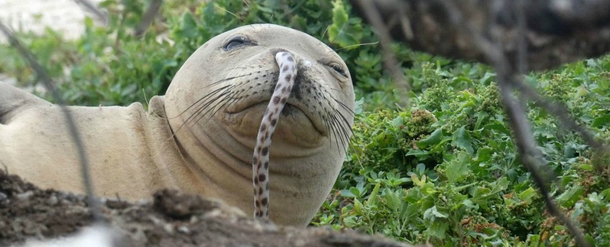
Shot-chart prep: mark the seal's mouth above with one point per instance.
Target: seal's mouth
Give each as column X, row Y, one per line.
column 291, row 108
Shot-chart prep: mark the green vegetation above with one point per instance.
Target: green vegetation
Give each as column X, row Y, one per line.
column 443, row 170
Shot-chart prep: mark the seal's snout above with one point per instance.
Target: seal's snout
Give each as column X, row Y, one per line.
column 302, row 63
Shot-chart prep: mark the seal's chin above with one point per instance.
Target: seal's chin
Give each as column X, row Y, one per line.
column 293, row 121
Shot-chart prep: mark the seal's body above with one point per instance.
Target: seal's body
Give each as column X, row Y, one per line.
column 200, row 136
column 123, row 145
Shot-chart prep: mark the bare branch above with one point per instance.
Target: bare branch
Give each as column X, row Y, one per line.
column 556, row 31
column 49, row 85
column 561, row 112
column 93, row 9
column 389, row 59
column 149, row 16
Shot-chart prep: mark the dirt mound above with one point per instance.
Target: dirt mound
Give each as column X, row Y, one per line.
column 170, row 219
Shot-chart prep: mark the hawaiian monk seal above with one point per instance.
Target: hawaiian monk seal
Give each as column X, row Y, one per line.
column 200, row 136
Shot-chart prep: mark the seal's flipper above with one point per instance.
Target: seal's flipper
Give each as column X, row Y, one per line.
column 12, row 99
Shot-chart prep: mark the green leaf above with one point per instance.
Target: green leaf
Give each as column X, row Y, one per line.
column 462, row 139
column 416, row 180
column 355, row 191
column 500, row 185
column 497, row 126
column 434, row 138
column 527, row 195
column 393, row 200
column 438, row 229
column 432, row 213
column 484, row 154
column 188, row 26
column 601, row 121
column 571, row 196
column 479, row 196
column 373, row 197
column 358, row 207
column 344, row 32
column 468, row 203
column 458, row 168
column 418, row 153
column 347, row 193
column 487, row 78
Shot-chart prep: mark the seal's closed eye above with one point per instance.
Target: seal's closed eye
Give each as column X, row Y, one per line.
column 237, row 41
column 338, row 69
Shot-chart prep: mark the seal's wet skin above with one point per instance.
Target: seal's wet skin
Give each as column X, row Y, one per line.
column 201, row 135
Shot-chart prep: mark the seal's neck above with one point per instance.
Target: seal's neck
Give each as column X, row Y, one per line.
column 170, row 169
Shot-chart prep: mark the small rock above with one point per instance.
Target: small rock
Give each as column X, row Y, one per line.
column 184, row 229
column 116, row 204
column 25, row 196
column 155, row 220
column 169, row 228
column 3, row 196
column 52, row 200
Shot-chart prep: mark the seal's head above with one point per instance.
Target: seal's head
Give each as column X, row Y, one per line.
column 217, row 99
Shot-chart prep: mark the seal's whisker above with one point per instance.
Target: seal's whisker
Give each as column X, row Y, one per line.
column 328, row 127
column 225, row 101
column 337, row 126
column 347, row 131
column 211, row 106
column 344, row 106
column 228, row 100
column 237, row 96
column 205, row 104
column 203, row 101
column 344, row 119
column 228, row 87
column 227, row 79
column 332, row 130
column 345, row 136
column 234, row 98
column 340, row 133
column 200, row 100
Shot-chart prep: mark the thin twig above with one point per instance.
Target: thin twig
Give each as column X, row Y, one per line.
column 93, row 9
column 531, row 156
column 561, row 113
column 49, row 85
column 149, row 16
column 389, row 58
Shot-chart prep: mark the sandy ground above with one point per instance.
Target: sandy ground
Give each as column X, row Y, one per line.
column 65, row 16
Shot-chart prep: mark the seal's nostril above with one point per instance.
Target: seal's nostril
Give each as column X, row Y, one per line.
column 304, row 64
